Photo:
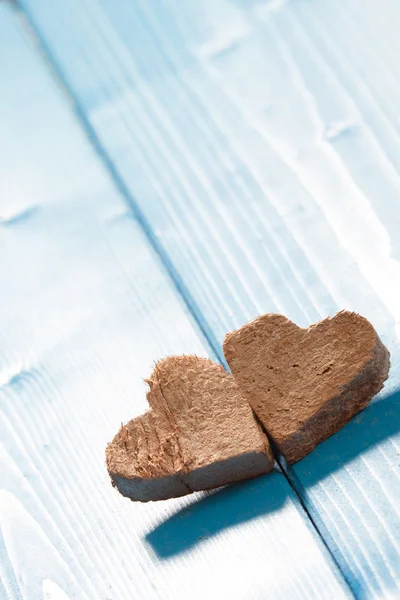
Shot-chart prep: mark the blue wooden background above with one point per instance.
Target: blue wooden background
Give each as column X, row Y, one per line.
column 169, row 169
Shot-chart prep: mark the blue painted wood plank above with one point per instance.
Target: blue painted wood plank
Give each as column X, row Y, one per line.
column 86, row 307
column 261, row 142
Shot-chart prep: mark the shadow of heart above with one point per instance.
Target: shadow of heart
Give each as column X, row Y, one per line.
column 248, row 500
column 216, row 511
column 378, row 422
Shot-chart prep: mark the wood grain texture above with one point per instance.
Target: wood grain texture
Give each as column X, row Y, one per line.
column 261, row 141
column 85, row 309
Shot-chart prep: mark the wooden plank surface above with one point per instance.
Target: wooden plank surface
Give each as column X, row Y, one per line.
column 86, row 307
column 261, row 142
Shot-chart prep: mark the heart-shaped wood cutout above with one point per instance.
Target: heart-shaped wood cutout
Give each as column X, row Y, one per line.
column 199, row 433
column 305, row 384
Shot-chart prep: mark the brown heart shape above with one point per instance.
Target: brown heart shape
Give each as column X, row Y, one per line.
column 199, row 433
column 305, row 384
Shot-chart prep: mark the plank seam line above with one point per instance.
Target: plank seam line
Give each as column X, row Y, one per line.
column 301, row 495
column 124, row 191
column 191, row 305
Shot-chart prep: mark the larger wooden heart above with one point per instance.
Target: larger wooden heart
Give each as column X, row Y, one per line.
column 304, row 384
column 200, row 433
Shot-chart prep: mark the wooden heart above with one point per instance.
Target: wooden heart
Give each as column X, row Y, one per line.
column 199, row 433
column 305, row 384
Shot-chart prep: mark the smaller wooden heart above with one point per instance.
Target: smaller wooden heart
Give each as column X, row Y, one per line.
column 305, row 384
column 199, row 433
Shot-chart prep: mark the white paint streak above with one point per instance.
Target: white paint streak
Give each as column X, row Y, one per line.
column 51, row 591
